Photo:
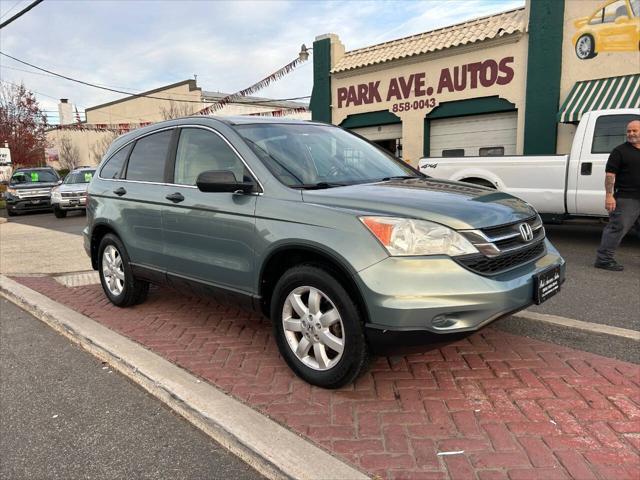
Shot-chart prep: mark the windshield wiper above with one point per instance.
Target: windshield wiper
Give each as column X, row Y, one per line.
column 398, row 177
column 318, row 186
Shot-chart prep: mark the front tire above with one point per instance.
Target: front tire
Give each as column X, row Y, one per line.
column 59, row 213
column 585, row 47
column 116, row 276
column 318, row 328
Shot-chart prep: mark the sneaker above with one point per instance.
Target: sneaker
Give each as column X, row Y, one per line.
column 611, row 265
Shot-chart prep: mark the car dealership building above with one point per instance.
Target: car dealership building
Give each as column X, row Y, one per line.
column 508, row 84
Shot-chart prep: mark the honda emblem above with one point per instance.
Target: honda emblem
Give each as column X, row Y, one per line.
column 526, row 232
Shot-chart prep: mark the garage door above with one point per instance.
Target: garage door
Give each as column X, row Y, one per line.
column 380, row 132
column 491, row 134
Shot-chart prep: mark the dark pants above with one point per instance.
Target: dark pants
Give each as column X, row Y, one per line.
column 621, row 220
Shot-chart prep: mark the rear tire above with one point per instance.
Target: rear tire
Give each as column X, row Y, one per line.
column 116, row 275
column 318, row 328
column 11, row 213
column 59, row 213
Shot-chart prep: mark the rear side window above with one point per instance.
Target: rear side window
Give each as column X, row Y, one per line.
column 148, row 158
column 610, row 131
column 113, row 166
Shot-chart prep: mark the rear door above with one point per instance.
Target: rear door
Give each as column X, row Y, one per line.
column 208, row 237
column 141, row 196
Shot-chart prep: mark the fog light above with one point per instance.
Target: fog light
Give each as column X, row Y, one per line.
column 442, row 321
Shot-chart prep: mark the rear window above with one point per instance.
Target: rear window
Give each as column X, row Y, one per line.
column 610, row 131
column 113, row 166
column 149, row 156
column 34, row 176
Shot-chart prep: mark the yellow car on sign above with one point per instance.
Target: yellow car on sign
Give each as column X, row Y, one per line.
column 613, row 27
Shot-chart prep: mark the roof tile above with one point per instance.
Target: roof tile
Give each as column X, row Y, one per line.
column 479, row 29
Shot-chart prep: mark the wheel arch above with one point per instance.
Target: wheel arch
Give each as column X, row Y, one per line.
column 97, row 234
column 285, row 257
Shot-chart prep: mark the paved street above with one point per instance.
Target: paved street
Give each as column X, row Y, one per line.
column 65, row 416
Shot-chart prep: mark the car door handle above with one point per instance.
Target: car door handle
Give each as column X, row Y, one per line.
column 585, row 168
column 175, row 197
column 120, row 191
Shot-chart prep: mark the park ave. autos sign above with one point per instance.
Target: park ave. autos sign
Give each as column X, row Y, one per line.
column 420, row 90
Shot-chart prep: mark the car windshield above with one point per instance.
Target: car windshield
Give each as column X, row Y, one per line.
column 34, row 176
column 319, row 156
column 84, row 176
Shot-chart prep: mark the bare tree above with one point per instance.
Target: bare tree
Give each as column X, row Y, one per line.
column 22, row 125
column 100, row 147
column 177, row 110
column 69, row 154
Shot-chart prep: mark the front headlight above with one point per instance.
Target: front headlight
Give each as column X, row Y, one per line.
column 55, row 194
column 12, row 191
column 407, row 236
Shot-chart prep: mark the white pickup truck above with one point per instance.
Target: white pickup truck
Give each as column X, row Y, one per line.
column 558, row 186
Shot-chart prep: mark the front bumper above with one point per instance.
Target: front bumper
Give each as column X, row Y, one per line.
column 70, row 203
column 436, row 294
column 16, row 204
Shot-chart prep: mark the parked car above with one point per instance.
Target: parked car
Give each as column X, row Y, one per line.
column 71, row 194
column 558, row 186
column 335, row 240
column 613, row 27
column 30, row 189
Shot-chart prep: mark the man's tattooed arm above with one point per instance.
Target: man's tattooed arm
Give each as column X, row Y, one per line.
column 609, row 182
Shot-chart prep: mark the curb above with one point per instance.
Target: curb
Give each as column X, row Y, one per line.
column 270, row 448
column 3, row 220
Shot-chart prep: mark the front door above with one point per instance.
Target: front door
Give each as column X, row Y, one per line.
column 208, row 237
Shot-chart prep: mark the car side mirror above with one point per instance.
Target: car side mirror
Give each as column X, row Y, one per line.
column 622, row 19
column 222, row 181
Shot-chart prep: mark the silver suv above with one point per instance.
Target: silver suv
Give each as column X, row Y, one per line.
column 71, row 194
column 339, row 243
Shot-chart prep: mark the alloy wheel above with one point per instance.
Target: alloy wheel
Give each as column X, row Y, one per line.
column 313, row 328
column 113, row 270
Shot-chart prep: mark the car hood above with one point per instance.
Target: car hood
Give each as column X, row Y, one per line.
column 73, row 187
column 454, row 204
column 32, row 186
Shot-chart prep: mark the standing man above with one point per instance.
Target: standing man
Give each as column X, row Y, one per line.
column 622, row 185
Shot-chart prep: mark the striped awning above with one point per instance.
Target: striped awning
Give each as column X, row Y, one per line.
column 588, row 95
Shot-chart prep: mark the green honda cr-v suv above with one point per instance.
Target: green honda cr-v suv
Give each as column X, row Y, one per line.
column 332, row 238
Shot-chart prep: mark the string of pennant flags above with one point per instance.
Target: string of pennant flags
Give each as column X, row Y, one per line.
column 265, row 82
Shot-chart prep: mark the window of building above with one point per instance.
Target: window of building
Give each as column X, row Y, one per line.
column 610, row 131
column 202, row 150
column 453, row 152
column 113, row 166
column 491, row 151
column 148, row 158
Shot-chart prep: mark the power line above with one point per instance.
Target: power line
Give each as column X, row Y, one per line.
column 11, row 9
column 20, row 13
column 138, row 95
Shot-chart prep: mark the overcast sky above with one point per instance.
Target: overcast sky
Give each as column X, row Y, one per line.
column 144, row 44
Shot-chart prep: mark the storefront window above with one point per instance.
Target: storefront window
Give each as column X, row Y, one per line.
column 491, row 151
column 453, row 152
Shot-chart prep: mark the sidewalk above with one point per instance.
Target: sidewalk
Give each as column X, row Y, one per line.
column 492, row 406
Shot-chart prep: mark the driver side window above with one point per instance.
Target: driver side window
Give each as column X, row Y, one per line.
column 200, row 150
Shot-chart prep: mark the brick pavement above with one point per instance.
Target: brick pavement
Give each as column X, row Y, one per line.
column 516, row 407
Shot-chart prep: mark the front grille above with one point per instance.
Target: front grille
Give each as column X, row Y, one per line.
column 42, row 192
column 516, row 242
column 511, row 228
column 492, row 266
column 72, row 194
